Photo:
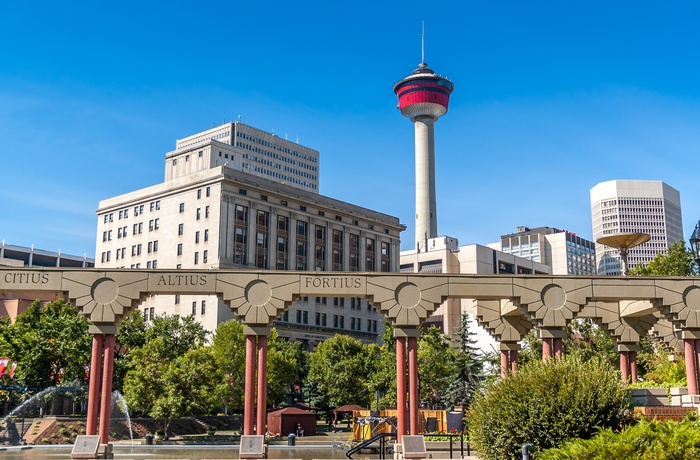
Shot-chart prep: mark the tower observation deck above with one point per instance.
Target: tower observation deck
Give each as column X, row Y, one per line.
column 423, row 98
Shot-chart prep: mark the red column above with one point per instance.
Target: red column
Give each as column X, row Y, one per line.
column 400, row 388
column 546, row 349
column 248, row 403
column 94, row 389
column 513, row 361
column 413, row 384
column 624, row 367
column 106, row 401
column 633, row 366
column 262, row 385
column 697, row 367
column 504, row 363
column 558, row 346
column 690, row 370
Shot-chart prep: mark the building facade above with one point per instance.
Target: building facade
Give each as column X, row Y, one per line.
column 220, row 216
column 252, row 150
column 445, row 256
column 565, row 252
column 635, row 206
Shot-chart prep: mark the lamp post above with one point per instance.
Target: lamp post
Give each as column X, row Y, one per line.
column 695, row 244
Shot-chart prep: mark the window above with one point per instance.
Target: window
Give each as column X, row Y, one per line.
column 196, row 258
column 196, row 237
column 150, row 247
column 199, row 193
column 150, row 225
column 138, row 250
column 206, row 212
column 305, row 317
column 177, row 299
column 145, row 314
column 155, row 264
column 180, row 229
column 206, row 235
column 242, row 191
column 182, row 207
column 148, row 264
column 208, row 191
column 155, row 246
column 179, row 249
column 194, row 308
column 298, row 316
column 205, row 256
column 204, row 307
column 199, row 213
column 153, row 313
column 157, row 224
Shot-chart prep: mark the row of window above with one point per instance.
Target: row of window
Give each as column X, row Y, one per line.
column 302, row 317
column 124, row 213
column 276, row 146
column 260, row 233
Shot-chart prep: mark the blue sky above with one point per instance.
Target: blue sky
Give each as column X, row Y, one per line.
column 550, row 98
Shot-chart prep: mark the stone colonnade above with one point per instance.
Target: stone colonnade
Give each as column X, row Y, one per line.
column 508, row 307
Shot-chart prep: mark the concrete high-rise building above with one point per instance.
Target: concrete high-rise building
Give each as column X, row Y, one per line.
column 252, row 150
column 635, row 206
column 423, row 97
column 565, row 252
column 211, row 213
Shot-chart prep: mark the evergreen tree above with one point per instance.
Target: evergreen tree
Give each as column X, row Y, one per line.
column 469, row 367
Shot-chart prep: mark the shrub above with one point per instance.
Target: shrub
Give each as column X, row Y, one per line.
column 547, row 404
column 648, row 440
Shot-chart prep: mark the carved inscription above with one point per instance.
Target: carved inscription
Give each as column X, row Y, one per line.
column 26, row 278
column 333, row 282
column 182, row 280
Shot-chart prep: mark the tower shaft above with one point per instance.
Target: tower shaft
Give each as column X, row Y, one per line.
column 426, row 203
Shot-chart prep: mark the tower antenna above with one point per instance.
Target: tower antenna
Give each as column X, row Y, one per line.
column 422, row 42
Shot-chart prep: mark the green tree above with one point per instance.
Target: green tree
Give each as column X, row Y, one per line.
column 547, row 404
column 435, row 375
column 171, row 374
column 166, row 386
column 468, row 368
column 287, row 368
column 382, row 380
column 45, row 335
column 678, row 261
column 588, row 340
column 228, row 347
column 339, row 370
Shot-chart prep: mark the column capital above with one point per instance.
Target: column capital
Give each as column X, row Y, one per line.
column 406, row 332
column 256, row 330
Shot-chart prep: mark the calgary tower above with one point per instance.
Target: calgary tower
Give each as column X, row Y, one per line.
column 423, row 97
